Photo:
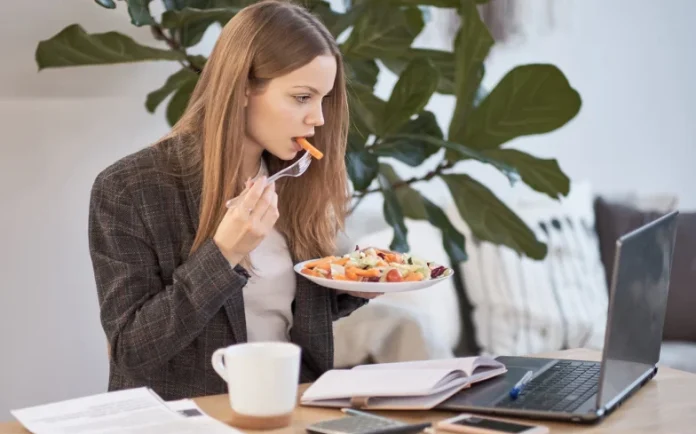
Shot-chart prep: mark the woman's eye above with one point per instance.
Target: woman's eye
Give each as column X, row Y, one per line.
column 302, row 98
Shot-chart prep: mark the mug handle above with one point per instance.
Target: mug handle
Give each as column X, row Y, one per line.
column 218, row 361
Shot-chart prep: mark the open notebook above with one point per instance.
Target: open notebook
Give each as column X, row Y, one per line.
column 399, row 386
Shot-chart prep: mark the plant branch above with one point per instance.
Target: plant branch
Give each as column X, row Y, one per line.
column 355, row 205
column 159, row 34
column 444, row 165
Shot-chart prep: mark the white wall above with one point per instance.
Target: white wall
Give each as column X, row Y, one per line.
column 634, row 64
column 61, row 127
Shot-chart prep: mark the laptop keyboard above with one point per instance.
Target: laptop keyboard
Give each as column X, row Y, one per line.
column 564, row 387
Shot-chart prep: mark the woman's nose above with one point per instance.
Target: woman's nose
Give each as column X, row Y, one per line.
column 316, row 117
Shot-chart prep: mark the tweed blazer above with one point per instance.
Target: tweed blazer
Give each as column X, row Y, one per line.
column 165, row 312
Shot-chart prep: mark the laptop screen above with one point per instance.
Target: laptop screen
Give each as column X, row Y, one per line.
column 637, row 306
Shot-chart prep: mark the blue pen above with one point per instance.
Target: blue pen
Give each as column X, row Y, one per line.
column 515, row 391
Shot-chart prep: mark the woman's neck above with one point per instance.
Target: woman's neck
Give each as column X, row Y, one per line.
column 251, row 163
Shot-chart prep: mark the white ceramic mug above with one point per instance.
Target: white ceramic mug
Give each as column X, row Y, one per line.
column 262, row 380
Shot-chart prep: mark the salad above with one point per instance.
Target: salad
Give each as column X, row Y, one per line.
column 374, row 265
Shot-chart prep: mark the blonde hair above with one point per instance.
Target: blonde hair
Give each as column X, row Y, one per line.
column 263, row 41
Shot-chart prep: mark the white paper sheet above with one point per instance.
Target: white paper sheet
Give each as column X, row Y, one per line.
column 127, row 411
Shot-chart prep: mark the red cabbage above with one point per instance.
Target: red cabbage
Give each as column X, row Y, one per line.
column 437, row 272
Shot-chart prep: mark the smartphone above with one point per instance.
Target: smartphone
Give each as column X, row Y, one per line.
column 468, row 423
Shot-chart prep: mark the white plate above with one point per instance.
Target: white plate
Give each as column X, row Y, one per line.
column 346, row 285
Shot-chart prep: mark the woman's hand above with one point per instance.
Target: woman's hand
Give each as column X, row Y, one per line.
column 248, row 220
column 368, row 295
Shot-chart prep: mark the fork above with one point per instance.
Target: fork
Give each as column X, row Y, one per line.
column 295, row 169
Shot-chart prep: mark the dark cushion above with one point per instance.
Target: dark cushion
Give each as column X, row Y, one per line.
column 614, row 220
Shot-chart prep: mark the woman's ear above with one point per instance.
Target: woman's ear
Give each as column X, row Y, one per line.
column 246, row 97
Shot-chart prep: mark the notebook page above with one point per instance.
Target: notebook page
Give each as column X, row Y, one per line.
column 466, row 364
column 417, row 402
column 486, row 362
column 345, row 383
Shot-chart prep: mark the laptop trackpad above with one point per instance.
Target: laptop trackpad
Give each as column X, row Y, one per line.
column 487, row 393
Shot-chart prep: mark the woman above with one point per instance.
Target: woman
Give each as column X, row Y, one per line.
column 178, row 273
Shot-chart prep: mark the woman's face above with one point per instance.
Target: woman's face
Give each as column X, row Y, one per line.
column 289, row 106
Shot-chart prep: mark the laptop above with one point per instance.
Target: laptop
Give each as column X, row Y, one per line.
column 581, row 391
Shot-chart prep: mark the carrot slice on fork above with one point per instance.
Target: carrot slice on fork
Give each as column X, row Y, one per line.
column 314, row 152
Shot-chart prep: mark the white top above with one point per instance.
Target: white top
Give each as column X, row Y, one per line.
column 270, row 291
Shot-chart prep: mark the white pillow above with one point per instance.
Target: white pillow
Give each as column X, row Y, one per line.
column 524, row 306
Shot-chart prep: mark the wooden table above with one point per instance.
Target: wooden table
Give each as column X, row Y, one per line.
column 665, row 405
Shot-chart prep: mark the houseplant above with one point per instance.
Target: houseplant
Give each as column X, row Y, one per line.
column 530, row 99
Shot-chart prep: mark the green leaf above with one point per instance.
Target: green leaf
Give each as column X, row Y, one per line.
column 139, row 11
column 412, row 151
column 530, row 99
column 363, row 71
column 192, row 23
column 425, row 123
column 436, row 3
column 409, row 96
column 210, row 4
column 383, row 31
column 174, row 82
column 173, row 4
column 175, row 19
column 346, row 20
column 359, row 130
column 417, row 207
column 109, row 4
column 463, row 152
column 74, row 47
column 490, row 219
column 336, row 22
column 394, row 216
column 356, row 142
column 365, row 107
column 443, row 61
column 471, row 48
column 323, row 11
column 453, row 241
column 362, row 168
column 177, row 105
column 198, row 61
column 544, row 176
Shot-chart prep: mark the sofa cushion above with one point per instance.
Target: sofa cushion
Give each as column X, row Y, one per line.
column 615, row 219
column 525, row 306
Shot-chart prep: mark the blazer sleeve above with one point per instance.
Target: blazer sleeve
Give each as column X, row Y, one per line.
column 344, row 304
column 147, row 322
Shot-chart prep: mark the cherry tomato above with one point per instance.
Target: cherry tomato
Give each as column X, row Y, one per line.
column 394, row 276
